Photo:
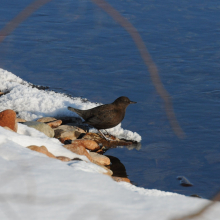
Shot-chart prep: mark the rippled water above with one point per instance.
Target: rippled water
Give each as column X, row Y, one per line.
column 74, row 47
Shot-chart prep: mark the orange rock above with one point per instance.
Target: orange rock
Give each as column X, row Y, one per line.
column 101, row 159
column 121, row 179
column 46, row 119
column 55, row 124
column 78, row 150
column 8, row 119
column 64, row 159
column 88, row 144
column 42, row 150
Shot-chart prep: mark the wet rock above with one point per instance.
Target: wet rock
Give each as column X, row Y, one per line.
column 46, row 119
column 41, row 149
column 64, row 159
column 42, row 127
column 67, row 132
column 88, row 144
column 195, row 195
column 121, row 179
column 20, row 120
column 109, row 144
column 78, row 150
column 184, row 181
column 100, row 159
column 55, row 124
column 8, row 119
column 109, row 172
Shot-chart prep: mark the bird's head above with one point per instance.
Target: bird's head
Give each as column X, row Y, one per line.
column 123, row 101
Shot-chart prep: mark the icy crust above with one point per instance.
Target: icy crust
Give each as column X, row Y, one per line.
column 32, row 103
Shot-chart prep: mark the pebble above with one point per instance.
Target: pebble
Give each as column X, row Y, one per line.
column 64, row 159
column 88, row 144
column 8, row 119
column 184, row 181
column 78, row 150
column 67, row 132
column 40, row 126
column 42, row 150
column 109, row 172
column 55, row 124
column 100, row 159
column 121, row 179
column 46, row 119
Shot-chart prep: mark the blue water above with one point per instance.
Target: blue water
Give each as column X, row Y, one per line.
column 74, row 47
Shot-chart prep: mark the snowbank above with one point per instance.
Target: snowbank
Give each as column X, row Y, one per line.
column 32, row 103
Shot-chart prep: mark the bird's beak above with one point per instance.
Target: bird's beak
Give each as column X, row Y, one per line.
column 131, row 102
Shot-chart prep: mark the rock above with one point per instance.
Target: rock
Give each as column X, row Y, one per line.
column 46, row 119
column 40, row 126
column 7, row 128
column 67, row 132
column 184, row 181
column 109, row 172
column 64, row 159
column 55, row 124
column 120, row 179
column 42, row 150
column 100, row 159
column 8, row 119
column 109, row 144
column 78, row 150
column 88, row 144
column 1, row 93
column 20, row 120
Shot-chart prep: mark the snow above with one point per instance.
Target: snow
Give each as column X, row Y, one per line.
column 32, row 103
column 35, row 187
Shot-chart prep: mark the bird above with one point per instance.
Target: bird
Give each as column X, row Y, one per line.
column 105, row 116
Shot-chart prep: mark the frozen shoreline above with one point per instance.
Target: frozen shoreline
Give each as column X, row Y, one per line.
column 37, row 187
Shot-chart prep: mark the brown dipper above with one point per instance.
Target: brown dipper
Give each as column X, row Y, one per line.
column 105, row 116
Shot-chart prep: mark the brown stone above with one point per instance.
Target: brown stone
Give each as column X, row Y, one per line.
column 42, row 150
column 67, row 132
column 121, row 179
column 64, row 159
column 110, row 144
column 109, row 172
column 1, row 93
column 88, row 144
column 20, row 120
column 100, row 159
column 78, row 150
column 8, row 119
column 46, row 119
column 55, row 124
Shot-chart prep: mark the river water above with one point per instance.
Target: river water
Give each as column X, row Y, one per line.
column 76, row 48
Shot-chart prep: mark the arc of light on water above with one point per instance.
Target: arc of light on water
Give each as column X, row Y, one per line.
column 152, row 68
column 24, row 14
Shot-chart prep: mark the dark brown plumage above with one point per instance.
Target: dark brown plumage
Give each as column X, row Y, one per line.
column 105, row 116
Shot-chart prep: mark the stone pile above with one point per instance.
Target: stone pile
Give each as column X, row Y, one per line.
column 73, row 138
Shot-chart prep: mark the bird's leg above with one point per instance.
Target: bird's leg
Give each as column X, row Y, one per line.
column 104, row 136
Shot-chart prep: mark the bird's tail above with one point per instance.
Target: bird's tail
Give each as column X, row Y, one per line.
column 78, row 111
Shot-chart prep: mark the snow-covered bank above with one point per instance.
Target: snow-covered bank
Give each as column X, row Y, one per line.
column 32, row 103
column 34, row 186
